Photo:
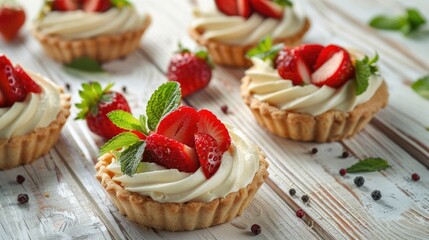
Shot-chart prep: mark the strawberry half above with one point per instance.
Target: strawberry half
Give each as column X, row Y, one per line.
column 267, row 8
column 11, row 19
column 292, row 66
column 65, row 5
column 10, row 84
column 309, row 53
column 235, row 7
column 170, row 153
column 96, row 5
column 28, row 83
column 211, row 125
column 209, row 153
column 333, row 67
column 180, row 125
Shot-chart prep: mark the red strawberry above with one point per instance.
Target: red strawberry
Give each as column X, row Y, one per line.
column 11, row 20
column 10, row 84
column 96, row 5
column 2, row 100
column 234, row 7
column 28, row 83
column 267, row 8
column 291, row 66
column 209, row 153
column 139, row 134
column 170, row 153
column 211, row 125
column 309, row 53
column 192, row 71
column 65, row 5
column 96, row 104
column 180, row 125
column 333, row 67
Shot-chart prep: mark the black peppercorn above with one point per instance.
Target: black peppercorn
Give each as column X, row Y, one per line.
column 22, row 198
column 256, row 229
column 305, row 198
column 314, row 150
column 359, row 181
column 20, row 179
column 345, row 154
column 376, row 195
column 292, row 191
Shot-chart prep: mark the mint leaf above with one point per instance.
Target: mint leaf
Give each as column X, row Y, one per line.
column 124, row 120
column 131, row 157
column 369, row 165
column 363, row 70
column 143, row 124
column 120, row 3
column 284, row 3
column 164, row 100
column 85, row 64
column 421, row 86
column 124, row 139
column 388, row 23
column 415, row 19
column 265, row 50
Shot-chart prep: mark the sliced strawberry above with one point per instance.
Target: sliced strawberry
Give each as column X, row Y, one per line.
column 291, row 66
column 335, row 71
column 211, row 125
column 209, row 153
column 65, row 5
column 170, row 153
column 180, row 125
column 326, row 54
column 234, row 7
column 10, row 84
column 267, row 8
column 309, row 53
column 2, row 100
column 28, row 83
column 96, row 5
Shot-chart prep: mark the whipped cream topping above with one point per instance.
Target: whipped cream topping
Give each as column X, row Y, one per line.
column 80, row 24
column 267, row 86
column 238, row 168
column 38, row 110
column 239, row 30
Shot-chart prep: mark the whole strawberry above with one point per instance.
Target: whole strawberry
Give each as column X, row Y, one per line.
column 96, row 104
column 12, row 17
column 192, row 70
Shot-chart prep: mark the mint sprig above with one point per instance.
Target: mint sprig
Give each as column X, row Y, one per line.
column 421, row 87
column 163, row 101
column 120, row 3
column 85, row 64
column 369, row 165
column 284, row 3
column 363, row 70
column 265, row 49
column 407, row 23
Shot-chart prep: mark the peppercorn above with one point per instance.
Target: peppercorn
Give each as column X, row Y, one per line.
column 305, row 198
column 359, row 181
column 300, row 213
column 415, row 177
column 343, row 171
column 345, row 154
column 22, row 198
column 376, row 195
column 292, row 191
column 224, row 109
column 256, row 229
column 314, row 150
column 20, row 179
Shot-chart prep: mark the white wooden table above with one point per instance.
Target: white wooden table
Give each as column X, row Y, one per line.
column 67, row 202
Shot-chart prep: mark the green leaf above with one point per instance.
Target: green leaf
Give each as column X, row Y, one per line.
column 124, row 139
column 131, row 157
column 427, row 128
column 85, row 64
column 363, row 70
column 415, row 18
column 91, row 95
column 124, row 120
column 369, row 165
column 284, row 3
column 120, row 3
column 143, row 124
column 388, row 23
column 421, row 86
column 265, row 50
column 164, row 100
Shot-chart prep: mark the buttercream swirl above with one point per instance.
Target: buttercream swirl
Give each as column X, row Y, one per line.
column 267, row 86
column 239, row 165
column 239, row 30
column 36, row 111
column 79, row 24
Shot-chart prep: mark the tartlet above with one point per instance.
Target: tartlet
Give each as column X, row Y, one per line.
column 22, row 144
column 190, row 171
column 82, row 39
column 231, row 50
column 338, row 114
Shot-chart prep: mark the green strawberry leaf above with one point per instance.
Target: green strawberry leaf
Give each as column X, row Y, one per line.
column 91, row 94
column 284, row 3
column 85, row 64
column 421, row 87
column 131, row 157
column 369, row 165
column 363, row 70
column 164, row 100
column 124, row 139
column 265, row 50
column 124, row 120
